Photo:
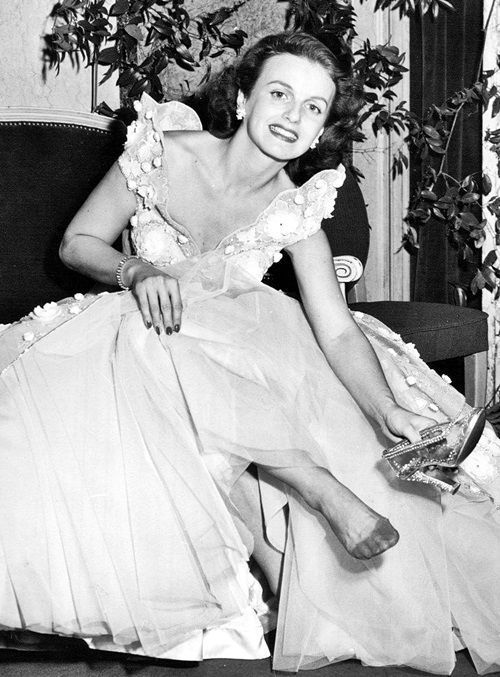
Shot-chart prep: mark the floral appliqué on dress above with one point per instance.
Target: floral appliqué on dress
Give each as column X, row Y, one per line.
column 293, row 215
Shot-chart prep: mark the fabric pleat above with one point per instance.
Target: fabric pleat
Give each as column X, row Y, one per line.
column 120, row 448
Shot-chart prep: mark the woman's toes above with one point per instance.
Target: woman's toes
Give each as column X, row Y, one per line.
column 389, row 533
column 387, row 537
column 382, row 538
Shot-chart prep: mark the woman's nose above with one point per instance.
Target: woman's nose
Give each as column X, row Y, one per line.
column 292, row 113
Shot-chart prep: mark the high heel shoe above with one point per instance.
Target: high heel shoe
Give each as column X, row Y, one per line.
column 435, row 458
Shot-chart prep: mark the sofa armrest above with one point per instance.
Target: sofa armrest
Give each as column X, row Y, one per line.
column 348, row 269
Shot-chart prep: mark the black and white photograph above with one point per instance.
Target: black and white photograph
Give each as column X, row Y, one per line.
column 249, row 338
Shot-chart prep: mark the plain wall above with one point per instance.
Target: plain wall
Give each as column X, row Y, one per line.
column 22, row 24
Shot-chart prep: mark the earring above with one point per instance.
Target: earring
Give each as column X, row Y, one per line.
column 316, row 140
column 240, row 106
column 240, row 111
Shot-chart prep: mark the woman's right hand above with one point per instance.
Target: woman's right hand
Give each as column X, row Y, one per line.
column 399, row 422
column 157, row 295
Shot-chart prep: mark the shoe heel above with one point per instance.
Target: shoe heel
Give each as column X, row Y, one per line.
column 444, row 484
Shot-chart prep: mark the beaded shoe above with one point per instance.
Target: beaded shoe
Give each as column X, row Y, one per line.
column 435, row 458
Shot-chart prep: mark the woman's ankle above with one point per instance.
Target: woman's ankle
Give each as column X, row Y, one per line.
column 318, row 487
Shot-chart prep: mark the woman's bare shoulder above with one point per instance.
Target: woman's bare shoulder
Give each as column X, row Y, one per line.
column 188, row 142
column 190, row 151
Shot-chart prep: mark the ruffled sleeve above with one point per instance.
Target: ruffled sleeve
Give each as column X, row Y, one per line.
column 314, row 201
column 143, row 157
column 294, row 215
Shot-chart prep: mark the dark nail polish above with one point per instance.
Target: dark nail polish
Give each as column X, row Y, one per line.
column 149, row 325
column 177, row 328
column 169, row 330
column 158, row 330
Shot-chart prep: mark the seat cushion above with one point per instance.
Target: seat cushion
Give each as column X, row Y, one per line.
column 439, row 331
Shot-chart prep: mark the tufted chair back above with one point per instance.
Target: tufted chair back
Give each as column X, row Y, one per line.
column 51, row 160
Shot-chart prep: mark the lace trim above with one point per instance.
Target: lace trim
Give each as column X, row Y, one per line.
column 293, row 215
column 20, row 336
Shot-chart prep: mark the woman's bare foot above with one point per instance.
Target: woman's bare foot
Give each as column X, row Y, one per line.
column 362, row 531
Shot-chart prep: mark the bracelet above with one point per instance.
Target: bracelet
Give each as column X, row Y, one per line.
column 119, row 270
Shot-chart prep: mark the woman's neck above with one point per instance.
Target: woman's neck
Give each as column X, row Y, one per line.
column 246, row 167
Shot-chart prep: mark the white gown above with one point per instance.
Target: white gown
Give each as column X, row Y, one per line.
column 119, row 449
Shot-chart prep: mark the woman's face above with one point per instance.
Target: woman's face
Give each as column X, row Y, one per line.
column 288, row 106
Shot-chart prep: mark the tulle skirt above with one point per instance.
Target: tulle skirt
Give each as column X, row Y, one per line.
column 119, row 449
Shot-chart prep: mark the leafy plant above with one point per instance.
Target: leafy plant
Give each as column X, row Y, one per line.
column 408, row 7
column 459, row 202
column 91, row 32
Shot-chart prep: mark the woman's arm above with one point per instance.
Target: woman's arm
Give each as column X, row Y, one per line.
column 87, row 242
column 87, row 248
column 346, row 348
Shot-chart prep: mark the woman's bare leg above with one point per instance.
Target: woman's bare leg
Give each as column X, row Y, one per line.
column 245, row 495
column 362, row 531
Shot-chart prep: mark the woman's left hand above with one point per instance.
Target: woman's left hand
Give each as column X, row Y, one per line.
column 399, row 422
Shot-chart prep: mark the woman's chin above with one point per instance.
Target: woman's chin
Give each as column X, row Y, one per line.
column 284, row 152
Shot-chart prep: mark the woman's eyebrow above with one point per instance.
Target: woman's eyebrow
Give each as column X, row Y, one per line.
column 287, row 86
column 280, row 82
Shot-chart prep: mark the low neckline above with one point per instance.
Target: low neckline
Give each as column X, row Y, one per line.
column 186, row 232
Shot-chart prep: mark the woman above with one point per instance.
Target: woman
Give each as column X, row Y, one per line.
column 129, row 419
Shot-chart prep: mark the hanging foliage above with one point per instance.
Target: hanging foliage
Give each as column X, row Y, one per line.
column 459, row 202
column 96, row 31
column 409, row 7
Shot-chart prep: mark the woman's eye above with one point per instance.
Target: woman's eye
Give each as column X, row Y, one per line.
column 314, row 109
column 277, row 94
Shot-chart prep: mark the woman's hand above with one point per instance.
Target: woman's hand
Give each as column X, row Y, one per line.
column 157, row 295
column 398, row 422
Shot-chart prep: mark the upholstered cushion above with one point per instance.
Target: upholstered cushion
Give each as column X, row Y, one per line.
column 48, row 169
column 438, row 330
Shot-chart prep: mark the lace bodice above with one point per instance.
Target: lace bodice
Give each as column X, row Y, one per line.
column 293, row 215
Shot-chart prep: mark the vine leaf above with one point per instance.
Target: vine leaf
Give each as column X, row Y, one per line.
column 134, row 32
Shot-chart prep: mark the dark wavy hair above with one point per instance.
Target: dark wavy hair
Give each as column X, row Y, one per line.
column 216, row 103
